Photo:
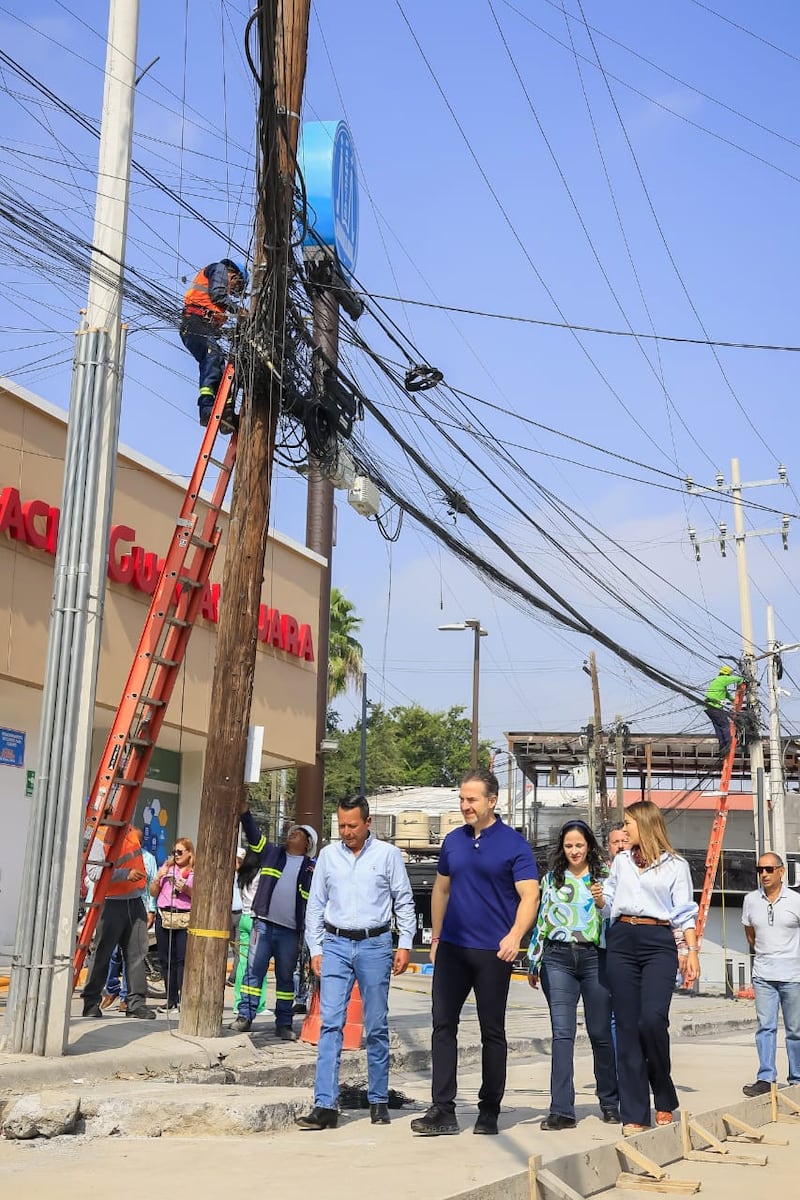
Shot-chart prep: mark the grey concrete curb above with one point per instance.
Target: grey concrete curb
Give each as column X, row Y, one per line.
column 590, row 1173
column 240, row 1060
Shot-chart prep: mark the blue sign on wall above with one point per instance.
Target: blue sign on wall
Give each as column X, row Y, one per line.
column 12, row 748
column 327, row 161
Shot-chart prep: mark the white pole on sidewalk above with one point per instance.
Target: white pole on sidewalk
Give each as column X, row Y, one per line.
column 41, row 985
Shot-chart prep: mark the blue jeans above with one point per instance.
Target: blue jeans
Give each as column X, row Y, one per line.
column 201, row 340
column 571, row 972
column 267, row 942
column 769, row 995
column 345, row 962
column 117, row 979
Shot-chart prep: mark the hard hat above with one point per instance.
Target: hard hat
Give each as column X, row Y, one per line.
column 238, row 268
column 725, row 670
column 312, row 838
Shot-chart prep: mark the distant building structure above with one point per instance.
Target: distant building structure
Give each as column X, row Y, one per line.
column 546, row 783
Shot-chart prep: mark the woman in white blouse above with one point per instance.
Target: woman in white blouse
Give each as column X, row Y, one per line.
column 648, row 892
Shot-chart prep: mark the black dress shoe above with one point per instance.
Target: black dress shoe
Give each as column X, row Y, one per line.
column 141, row 1013
column 611, row 1115
column 759, row 1088
column 486, row 1122
column 319, row 1118
column 435, row 1122
column 379, row 1114
column 557, row 1121
column 92, row 1010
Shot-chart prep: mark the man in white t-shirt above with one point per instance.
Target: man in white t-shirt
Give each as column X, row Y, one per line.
column 771, row 919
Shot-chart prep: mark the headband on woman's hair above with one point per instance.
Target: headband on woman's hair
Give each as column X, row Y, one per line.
column 576, row 824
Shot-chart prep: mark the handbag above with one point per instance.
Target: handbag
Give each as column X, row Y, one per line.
column 174, row 919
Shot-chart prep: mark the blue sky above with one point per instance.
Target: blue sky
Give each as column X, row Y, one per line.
column 501, row 171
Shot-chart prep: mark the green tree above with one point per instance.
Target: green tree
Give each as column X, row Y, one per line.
column 435, row 745
column 385, row 766
column 344, row 652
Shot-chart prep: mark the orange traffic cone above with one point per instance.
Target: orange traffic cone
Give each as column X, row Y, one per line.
column 354, row 1022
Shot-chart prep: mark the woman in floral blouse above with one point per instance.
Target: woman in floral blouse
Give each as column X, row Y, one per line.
column 566, row 951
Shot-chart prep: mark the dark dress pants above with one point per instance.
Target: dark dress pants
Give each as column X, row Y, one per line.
column 122, row 923
column 641, row 961
column 459, row 969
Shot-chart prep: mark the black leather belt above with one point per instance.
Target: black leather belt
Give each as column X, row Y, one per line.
column 358, row 935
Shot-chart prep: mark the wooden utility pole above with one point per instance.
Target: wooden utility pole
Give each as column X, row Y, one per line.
column 600, row 754
column 282, row 39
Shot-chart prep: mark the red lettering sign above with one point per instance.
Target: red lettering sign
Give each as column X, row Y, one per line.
column 36, row 524
column 120, row 569
column 34, row 536
column 11, row 521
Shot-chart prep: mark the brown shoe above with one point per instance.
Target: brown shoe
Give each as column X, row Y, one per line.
column 663, row 1118
column 123, row 1007
column 108, row 1000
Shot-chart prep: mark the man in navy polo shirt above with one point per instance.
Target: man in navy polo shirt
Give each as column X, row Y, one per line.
column 484, row 901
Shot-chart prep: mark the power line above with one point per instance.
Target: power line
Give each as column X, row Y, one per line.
column 571, row 326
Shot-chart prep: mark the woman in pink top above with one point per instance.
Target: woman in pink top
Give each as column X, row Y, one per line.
column 172, row 888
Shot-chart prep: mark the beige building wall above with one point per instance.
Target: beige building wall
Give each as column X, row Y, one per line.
column 147, row 500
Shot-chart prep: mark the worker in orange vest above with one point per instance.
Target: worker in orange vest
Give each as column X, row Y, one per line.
column 206, row 306
column 123, row 923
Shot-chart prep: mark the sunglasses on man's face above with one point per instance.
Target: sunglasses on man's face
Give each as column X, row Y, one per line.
column 767, row 870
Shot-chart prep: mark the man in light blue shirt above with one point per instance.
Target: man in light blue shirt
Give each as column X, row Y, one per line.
column 771, row 919
column 357, row 883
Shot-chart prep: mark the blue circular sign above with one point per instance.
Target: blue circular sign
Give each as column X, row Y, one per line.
column 327, row 161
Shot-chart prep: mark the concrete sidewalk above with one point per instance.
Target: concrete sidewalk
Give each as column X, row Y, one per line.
column 120, row 1048
column 141, row 1082
column 387, row 1161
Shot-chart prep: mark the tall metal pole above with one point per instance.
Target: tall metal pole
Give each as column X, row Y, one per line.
column 283, row 40
column 41, row 987
column 364, row 734
column 310, row 786
column 476, row 678
column 776, row 777
column 756, row 747
column 619, row 748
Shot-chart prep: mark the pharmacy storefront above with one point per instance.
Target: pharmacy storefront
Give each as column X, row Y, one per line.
column 147, row 501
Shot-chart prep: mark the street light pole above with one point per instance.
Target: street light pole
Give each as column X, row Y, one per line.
column 475, row 625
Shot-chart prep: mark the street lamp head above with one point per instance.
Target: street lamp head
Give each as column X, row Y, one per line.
column 473, row 624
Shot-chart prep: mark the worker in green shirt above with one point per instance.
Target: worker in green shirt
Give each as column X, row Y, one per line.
column 718, row 694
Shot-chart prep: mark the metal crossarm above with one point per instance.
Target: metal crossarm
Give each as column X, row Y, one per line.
column 174, row 608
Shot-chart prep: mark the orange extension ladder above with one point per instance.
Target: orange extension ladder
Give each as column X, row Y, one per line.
column 174, row 608
column 718, row 825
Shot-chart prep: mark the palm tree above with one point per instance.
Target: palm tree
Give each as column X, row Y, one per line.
column 344, row 652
